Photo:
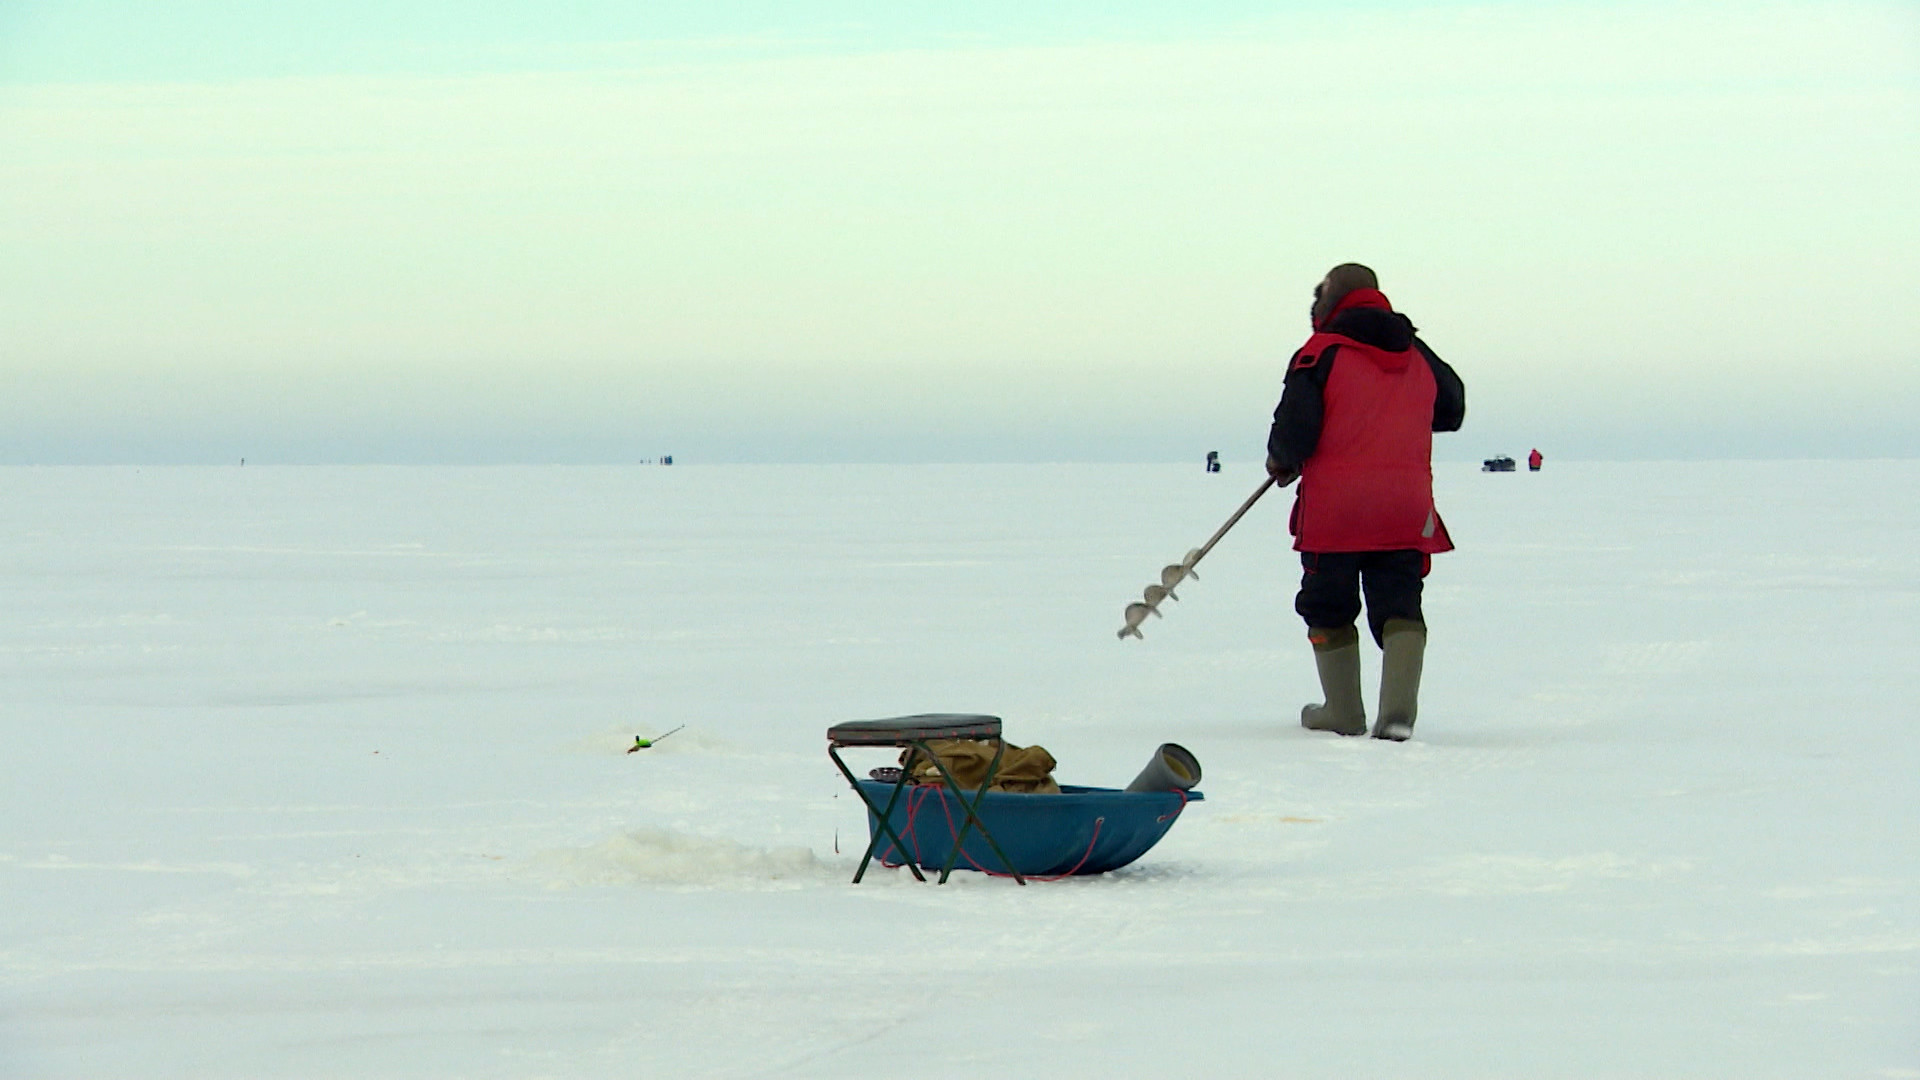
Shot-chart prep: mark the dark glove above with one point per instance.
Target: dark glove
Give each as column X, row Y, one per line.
column 1282, row 474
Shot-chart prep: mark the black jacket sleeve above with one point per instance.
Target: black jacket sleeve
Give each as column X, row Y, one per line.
column 1302, row 408
column 1450, row 397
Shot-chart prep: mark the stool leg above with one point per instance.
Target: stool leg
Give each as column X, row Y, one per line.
column 882, row 816
column 972, row 814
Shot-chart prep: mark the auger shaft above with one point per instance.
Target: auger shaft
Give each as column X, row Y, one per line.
column 1174, row 573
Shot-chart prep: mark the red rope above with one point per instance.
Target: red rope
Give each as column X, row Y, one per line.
column 915, row 796
column 1176, row 810
column 1084, row 856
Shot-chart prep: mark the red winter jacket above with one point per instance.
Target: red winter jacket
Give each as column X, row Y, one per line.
column 1368, row 484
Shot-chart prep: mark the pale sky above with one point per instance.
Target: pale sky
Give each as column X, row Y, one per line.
column 414, row 231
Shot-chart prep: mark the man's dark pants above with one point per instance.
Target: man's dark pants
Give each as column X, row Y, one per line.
column 1332, row 584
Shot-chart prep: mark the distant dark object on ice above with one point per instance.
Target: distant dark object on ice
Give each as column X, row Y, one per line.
column 1213, row 461
column 1502, row 463
column 668, row 460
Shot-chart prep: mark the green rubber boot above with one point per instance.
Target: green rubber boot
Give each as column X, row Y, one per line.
column 1403, row 650
column 1336, row 654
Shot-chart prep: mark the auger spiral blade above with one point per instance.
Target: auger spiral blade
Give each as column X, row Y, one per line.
column 1136, row 614
column 1174, row 573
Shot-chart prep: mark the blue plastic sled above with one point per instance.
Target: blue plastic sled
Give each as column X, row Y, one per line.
column 1082, row 830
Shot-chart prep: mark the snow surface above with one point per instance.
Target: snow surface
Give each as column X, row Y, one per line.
column 320, row 772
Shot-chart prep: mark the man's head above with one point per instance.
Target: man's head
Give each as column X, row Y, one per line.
column 1334, row 288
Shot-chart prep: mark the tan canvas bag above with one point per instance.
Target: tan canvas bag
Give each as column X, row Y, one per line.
column 1022, row 768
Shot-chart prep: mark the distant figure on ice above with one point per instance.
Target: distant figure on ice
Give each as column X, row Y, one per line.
column 1533, row 460
column 1213, row 461
column 1355, row 426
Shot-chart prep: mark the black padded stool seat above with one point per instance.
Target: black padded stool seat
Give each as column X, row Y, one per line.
column 901, row 730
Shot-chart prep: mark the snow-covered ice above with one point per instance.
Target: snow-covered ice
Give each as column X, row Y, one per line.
column 320, row 772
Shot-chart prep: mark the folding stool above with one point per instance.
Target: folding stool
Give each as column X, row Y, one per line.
column 915, row 732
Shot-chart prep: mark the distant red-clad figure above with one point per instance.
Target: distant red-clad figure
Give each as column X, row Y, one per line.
column 1533, row 461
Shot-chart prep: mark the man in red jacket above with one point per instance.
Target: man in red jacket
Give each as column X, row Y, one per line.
column 1355, row 426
